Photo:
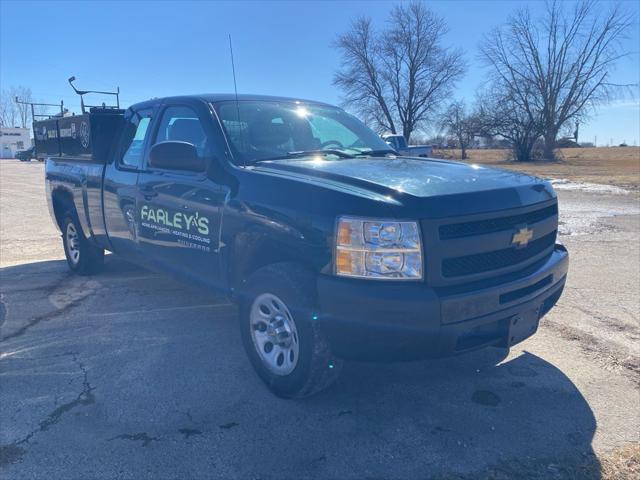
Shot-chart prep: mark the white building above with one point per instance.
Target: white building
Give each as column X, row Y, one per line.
column 12, row 140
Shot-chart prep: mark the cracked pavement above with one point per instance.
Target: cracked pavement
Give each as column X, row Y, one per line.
column 129, row 374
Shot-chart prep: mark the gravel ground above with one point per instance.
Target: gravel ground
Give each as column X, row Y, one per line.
column 128, row 374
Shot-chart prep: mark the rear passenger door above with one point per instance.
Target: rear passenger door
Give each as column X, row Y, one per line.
column 120, row 182
column 181, row 211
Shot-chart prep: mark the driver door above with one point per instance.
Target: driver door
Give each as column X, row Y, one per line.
column 181, row 211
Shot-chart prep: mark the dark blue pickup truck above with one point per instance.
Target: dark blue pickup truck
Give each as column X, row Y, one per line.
column 333, row 246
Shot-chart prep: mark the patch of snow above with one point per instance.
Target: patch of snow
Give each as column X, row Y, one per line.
column 565, row 184
column 589, row 214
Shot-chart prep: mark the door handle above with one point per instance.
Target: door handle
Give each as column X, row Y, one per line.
column 148, row 193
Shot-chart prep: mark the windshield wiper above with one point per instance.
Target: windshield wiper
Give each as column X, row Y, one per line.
column 337, row 153
column 304, row 153
column 375, row 153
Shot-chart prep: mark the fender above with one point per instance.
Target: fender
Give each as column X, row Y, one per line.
column 255, row 238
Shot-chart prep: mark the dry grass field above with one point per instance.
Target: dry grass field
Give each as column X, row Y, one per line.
column 609, row 165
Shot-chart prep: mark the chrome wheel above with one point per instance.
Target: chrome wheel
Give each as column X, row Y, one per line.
column 274, row 334
column 73, row 243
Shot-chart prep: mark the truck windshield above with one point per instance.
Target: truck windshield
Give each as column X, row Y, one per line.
column 265, row 130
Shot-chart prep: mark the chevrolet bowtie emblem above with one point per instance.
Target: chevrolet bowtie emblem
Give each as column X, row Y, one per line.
column 521, row 237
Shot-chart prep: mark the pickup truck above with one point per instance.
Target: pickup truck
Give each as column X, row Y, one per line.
column 333, row 246
column 399, row 144
column 26, row 155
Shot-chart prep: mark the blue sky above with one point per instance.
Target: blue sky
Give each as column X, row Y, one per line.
column 281, row 48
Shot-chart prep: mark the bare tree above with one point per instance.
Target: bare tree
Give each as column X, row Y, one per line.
column 459, row 124
column 360, row 76
column 24, row 110
column 560, row 64
column 400, row 77
column 8, row 109
column 501, row 113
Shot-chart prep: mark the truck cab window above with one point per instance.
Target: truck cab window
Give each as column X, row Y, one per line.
column 329, row 131
column 400, row 142
column 134, row 138
column 183, row 125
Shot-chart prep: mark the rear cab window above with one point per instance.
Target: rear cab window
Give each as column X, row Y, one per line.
column 136, row 131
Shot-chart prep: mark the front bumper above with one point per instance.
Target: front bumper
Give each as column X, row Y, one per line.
column 386, row 321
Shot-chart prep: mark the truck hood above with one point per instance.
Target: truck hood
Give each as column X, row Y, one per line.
column 441, row 185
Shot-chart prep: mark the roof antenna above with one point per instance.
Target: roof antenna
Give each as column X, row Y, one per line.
column 235, row 87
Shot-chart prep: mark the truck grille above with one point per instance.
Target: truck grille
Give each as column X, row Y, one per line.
column 492, row 225
column 494, row 260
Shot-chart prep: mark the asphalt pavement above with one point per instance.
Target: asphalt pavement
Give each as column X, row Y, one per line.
column 129, row 374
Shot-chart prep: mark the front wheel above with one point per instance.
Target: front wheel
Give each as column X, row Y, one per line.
column 279, row 333
column 82, row 257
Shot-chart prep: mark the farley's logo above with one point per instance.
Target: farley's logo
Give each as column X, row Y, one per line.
column 179, row 220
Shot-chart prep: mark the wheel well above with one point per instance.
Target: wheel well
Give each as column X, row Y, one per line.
column 250, row 256
column 62, row 201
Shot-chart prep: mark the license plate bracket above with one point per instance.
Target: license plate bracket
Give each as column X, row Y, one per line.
column 523, row 325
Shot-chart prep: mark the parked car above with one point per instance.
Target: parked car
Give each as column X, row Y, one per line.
column 26, row 155
column 332, row 246
column 399, row 144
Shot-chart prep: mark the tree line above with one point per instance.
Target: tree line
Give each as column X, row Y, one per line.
column 13, row 114
column 544, row 74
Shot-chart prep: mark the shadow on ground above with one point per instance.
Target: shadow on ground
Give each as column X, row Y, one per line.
column 138, row 376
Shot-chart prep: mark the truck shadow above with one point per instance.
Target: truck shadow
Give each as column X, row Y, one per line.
column 481, row 415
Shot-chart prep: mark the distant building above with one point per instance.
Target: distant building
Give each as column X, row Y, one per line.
column 12, row 140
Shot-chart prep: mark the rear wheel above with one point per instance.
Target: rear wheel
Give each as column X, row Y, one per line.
column 82, row 257
column 279, row 333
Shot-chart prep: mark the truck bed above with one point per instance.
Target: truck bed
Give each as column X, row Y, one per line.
column 76, row 149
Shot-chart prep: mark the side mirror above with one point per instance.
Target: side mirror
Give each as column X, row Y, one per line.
column 176, row 156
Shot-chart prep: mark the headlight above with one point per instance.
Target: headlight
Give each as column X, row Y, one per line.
column 384, row 250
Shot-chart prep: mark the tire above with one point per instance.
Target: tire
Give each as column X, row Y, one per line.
column 82, row 257
column 311, row 367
